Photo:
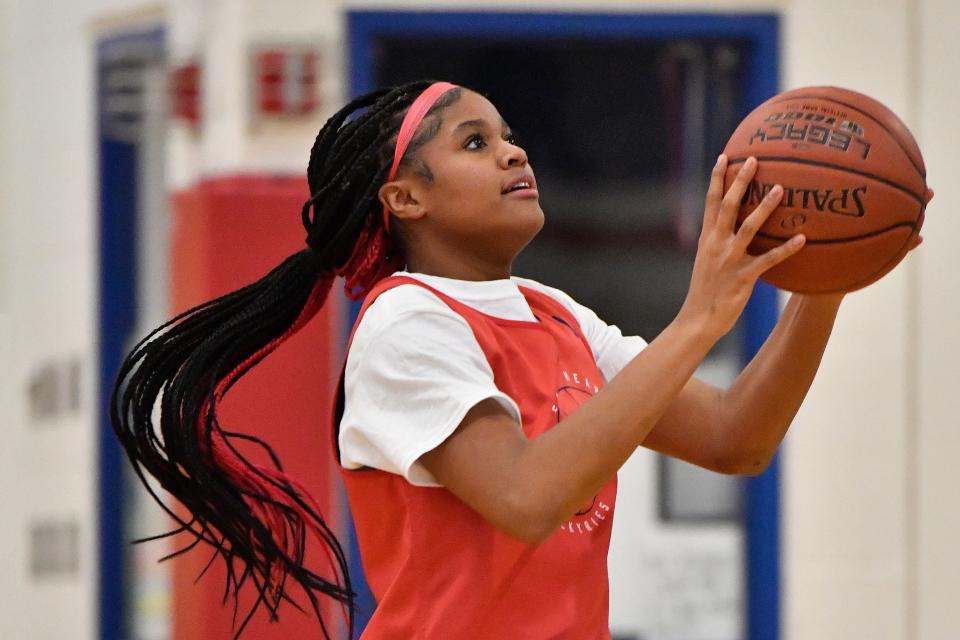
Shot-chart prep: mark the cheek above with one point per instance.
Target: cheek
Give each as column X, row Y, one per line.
column 466, row 196
column 467, row 178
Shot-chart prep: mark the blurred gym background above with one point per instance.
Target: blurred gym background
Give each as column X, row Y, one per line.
column 152, row 155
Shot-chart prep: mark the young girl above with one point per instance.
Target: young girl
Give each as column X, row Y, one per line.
column 481, row 418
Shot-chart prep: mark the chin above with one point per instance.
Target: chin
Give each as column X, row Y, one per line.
column 537, row 223
column 525, row 229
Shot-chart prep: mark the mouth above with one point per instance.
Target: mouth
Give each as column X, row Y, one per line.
column 524, row 186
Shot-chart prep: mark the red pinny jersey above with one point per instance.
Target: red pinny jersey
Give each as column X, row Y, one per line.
column 438, row 569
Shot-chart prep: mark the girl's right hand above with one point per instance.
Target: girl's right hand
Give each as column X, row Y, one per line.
column 723, row 272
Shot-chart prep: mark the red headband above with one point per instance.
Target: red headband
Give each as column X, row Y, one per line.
column 411, row 121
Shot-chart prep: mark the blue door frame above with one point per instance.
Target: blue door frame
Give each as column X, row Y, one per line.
column 118, row 201
column 761, row 80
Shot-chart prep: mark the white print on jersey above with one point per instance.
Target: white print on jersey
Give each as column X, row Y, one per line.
column 588, row 523
column 577, row 390
column 575, row 379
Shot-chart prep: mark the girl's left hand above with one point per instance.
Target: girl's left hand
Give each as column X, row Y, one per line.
column 926, row 200
column 837, row 297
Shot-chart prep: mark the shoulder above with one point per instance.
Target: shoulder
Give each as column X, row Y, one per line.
column 406, row 304
column 406, row 322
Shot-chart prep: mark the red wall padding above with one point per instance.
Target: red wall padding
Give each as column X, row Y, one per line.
column 227, row 233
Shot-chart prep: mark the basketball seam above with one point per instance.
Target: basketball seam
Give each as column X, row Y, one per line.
column 883, row 270
column 886, row 268
column 894, row 259
column 830, row 165
column 921, row 173
column 768, row 236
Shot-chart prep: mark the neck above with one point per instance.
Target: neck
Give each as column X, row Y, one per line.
column 473, row 272
column 466, row 259
column 459, row 265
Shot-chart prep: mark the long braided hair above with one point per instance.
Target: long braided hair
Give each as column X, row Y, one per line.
column 255, row 517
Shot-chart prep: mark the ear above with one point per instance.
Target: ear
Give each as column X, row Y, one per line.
column 397, row 198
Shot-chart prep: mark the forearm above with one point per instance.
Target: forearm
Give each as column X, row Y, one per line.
column 582, row 452
column 756, row 411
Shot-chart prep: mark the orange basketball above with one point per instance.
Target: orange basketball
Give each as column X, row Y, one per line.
column 854, row 184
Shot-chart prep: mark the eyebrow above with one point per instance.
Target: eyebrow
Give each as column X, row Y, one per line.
column 479, row 122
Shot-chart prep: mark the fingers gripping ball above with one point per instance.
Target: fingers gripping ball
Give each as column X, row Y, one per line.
column 854, row 184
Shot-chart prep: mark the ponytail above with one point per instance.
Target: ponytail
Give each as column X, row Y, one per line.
column 255, row 517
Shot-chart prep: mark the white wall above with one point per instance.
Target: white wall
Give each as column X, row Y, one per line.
column 47, row 214
column 848, row 470
column 870, row 524
column 937, row 365
column 10, row 545
column 869, row 538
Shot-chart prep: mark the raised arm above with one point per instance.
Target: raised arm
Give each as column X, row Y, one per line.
column 529, row 487
column 738, row 431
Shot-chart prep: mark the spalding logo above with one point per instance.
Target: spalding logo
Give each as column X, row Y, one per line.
column 847, row 201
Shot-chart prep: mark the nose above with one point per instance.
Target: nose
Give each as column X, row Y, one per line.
column 513, row 155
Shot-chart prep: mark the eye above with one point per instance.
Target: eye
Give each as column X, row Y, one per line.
column 475, row 136
column 513, row 139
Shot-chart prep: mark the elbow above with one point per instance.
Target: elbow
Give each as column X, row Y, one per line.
column 749, row 464
column 753, row 467
column 744, row 455
column 531, row 533
column 527, row 519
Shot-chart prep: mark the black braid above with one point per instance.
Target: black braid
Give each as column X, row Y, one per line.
column 368, row 141
column 189, row 363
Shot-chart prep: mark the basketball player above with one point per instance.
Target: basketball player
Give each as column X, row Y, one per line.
column 482, row 417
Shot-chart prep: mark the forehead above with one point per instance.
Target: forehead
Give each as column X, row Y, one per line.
column 470, row 106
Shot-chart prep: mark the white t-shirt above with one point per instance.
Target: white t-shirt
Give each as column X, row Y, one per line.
column 415, row 368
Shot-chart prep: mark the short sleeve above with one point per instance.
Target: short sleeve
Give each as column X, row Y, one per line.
column 413, row 372
column 611, row 349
